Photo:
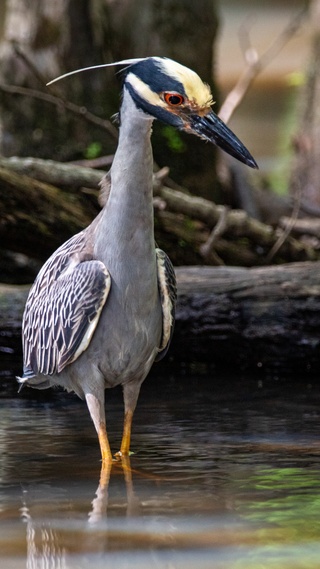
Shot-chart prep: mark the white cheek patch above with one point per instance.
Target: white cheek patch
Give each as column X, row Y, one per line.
column 144, row 91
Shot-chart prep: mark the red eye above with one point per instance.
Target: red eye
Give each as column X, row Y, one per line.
column 173, row 99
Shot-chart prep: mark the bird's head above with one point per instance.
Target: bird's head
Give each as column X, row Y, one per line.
column 177, row 96
column 174, row 94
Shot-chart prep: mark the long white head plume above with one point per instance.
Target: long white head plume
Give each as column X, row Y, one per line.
column 122, row 62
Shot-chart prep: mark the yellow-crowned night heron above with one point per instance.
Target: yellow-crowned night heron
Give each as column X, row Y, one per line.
column 101, row 310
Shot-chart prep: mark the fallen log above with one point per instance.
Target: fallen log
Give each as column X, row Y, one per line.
column 258, row 319
column 263, row 319
column 52, row 172
column 37, row 216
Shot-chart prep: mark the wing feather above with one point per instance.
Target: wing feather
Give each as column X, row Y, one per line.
column 63, row 309
column 168, row 295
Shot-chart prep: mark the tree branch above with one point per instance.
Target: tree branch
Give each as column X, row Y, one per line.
column 289, row 227
column 61, row 103
column 255, row 63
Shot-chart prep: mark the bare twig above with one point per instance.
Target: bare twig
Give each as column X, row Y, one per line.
column 55, row 97
column 303, row 226
column 62, row 104
column 21, row 54
column 290, row 225
column 160, row 176
column 55, row 173
column 100, row 162
column 255, row 63
column 207, row 249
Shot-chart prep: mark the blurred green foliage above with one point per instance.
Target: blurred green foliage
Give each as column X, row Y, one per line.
column 93, row 150
column 174, row 140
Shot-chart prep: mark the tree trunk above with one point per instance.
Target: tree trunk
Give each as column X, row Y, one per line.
column 44, row 39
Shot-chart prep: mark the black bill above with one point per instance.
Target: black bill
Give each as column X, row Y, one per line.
column 211, row 128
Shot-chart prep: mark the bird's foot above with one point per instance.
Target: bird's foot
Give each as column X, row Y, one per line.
column 120, row 455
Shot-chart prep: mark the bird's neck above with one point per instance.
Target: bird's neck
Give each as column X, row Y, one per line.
column 128, row 214
column 132, row 164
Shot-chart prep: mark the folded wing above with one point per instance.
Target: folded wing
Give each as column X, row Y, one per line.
column 63, row 309
column 168, row 296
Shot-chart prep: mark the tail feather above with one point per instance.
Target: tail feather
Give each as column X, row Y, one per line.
column 31, row 380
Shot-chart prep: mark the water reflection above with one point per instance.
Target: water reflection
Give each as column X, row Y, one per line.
column 224, row 475
column 44, row 537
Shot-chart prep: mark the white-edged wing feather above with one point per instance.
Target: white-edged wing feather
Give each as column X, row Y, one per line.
column 63, row 309
column 168, row 296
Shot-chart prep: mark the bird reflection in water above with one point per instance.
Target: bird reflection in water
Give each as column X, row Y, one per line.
column 100, row 502
column 43, row 542
column 44, row 537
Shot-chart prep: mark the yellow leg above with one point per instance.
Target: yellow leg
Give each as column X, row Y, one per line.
column 130, row 397
column 126, row 436
column 96, row 409
column 104, row 445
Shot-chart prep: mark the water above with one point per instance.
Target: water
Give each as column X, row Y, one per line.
column 225, row 474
